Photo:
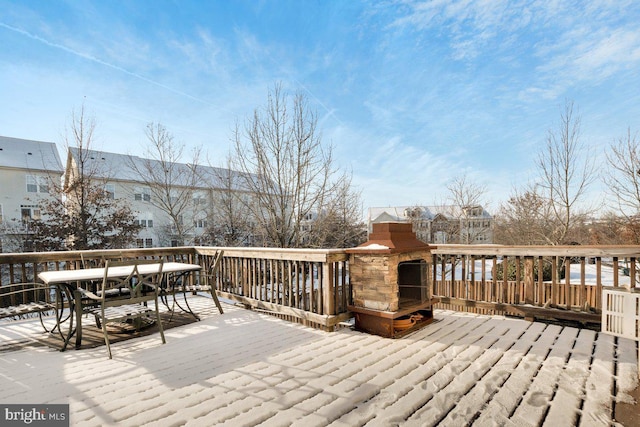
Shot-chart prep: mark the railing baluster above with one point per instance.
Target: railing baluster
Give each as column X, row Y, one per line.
column 540, row 282
column 472, row 283
column 598, row 283
column 567, row 282
column 517, row 294
column 583, row 286
column 528, row 281
column 454, row 278
column 494, row 281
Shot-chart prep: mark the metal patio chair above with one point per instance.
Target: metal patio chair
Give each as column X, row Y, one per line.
column 137, row 288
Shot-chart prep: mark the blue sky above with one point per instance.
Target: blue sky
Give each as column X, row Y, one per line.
column 411, row 94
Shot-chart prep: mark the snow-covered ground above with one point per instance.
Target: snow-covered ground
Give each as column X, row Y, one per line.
column 591, row 274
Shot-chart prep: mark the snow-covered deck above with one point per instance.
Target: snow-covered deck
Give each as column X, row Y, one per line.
column 247, row 368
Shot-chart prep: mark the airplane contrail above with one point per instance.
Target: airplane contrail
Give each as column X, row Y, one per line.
column 104, row 63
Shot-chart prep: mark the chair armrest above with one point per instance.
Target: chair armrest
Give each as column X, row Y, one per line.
column 89, row 294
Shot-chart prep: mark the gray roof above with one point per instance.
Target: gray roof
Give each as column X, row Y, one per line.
column 400, row 213
column 27, row 154
column 126, row 167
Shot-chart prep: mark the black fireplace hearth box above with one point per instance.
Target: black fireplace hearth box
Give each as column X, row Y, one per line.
column 390, row 277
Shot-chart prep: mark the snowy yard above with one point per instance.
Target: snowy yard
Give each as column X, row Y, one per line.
column 575, row 277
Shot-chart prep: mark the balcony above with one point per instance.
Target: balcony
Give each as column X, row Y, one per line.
column 483, row 365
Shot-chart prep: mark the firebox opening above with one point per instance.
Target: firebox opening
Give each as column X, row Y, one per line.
column 412, row 283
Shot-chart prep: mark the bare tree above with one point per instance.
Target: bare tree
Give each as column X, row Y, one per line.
column 170, row 182
column 84, row 215
column 464, row 192
column 565, row 176
column 466, row 198
column 623, row 173
column 622, row 177
column 230, row 223
column 339, row 224
column 525, row 219
column 289, row 173
column 609, row 229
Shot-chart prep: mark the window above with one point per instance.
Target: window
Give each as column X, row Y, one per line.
column 110, row 189
column 28, row 213
column 144, row 243
column 200, row 223
column 146, row 223
column 37, row 184
column 32, row 184
column 143, row 194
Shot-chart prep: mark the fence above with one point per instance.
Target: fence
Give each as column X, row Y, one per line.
column 561, row 282
column 312, row 286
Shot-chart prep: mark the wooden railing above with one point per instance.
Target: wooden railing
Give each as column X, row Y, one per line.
column 306, row 285
column 312, row 286
column 472, row 278
column 24, row 267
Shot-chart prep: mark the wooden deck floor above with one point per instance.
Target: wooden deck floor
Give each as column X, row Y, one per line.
column 247, row 368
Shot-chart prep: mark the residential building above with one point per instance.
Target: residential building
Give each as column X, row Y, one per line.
column 440, row 224
column 28, row 169
column 174, row 203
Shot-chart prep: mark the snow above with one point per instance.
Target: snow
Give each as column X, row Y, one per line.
column 374, row 246
column 247, row 368
column 590, row 275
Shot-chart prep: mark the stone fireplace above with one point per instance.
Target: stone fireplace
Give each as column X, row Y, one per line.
column 391, row 281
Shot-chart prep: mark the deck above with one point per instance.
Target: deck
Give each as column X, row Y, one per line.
column 248, row 368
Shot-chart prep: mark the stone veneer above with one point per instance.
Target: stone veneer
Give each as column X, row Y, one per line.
column 373, row 266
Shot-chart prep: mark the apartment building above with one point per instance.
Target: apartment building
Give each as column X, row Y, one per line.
column 440, row 224
column 174, row 203
column 27, row 171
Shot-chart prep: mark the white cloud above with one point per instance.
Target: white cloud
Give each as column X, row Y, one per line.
column 566, row 42
column 608, row 54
